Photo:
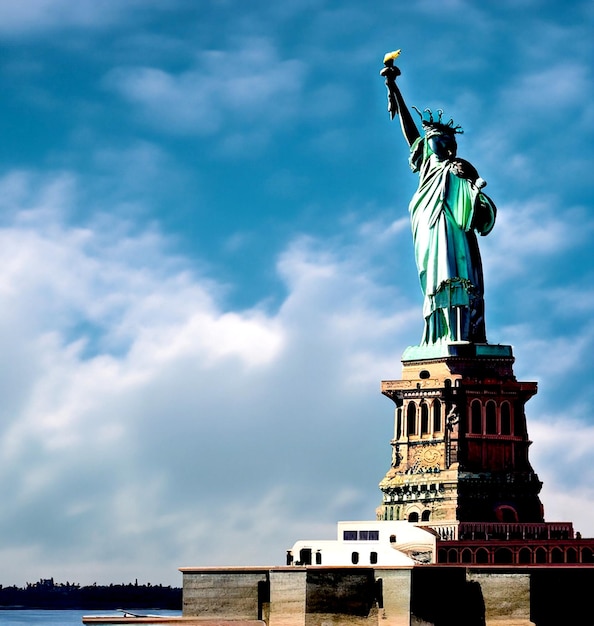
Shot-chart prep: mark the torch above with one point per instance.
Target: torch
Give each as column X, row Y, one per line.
column 390, row 72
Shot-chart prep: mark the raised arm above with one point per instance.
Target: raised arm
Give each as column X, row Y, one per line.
column 397, row 106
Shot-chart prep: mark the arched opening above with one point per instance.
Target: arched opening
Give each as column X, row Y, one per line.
column 413, row 517
column 436, row 416
column 425, row 515
column 525, row 556
column 506, row 514
column 505, row 419
column 452, row 556
column 398, row 432
column 557, row 555
column 442, row 555
column 424, row 418
column 482, row 555
column 373, row 558
column 318, row 558
column 305, row 556
column 476, row 418
column 587, row 555
column 491, row 418
column 355, row 558
column 503, row 555
column 411, row 419
column 540, row 556
column 571, row 556
column 392, row 538
column 466, row 556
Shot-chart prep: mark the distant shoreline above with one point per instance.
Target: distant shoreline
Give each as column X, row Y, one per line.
column 46, row 594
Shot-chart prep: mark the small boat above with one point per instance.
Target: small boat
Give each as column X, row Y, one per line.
column 129, row 617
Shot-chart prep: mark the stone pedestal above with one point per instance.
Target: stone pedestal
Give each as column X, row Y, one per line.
column 460, row 445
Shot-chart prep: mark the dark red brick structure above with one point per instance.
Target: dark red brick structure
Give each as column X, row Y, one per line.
column 460, row 463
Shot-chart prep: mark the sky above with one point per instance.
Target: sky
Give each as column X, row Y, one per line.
column 206, row 265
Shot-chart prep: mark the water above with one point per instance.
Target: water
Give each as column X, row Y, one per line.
column 38, row 617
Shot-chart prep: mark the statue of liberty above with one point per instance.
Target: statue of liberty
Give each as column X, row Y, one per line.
column 446, row 211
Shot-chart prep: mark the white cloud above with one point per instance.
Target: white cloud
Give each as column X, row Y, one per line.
column 40, row 16
column 138, row 412
column 561, row 455
column 555, row 87
column 528, row 232
column 143, row 404
column 214, row 95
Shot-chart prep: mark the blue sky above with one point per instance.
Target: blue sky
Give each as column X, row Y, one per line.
column 207, row 266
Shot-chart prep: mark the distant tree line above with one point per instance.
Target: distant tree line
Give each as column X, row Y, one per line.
column 46, row 594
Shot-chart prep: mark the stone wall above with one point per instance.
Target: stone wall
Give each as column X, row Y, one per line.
column 225, row 593
column 430, row 595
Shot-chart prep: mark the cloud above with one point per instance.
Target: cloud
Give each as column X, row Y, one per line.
column 145, row 422
column 136, row 404
column 564, row 494
column 150, row 427
column 214, row 95
column 41, row 16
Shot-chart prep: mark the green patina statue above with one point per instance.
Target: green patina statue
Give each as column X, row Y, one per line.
column 446, row 211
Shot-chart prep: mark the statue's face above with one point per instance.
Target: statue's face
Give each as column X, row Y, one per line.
column 443, row 146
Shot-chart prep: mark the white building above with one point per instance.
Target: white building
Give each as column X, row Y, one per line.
column 368, row 543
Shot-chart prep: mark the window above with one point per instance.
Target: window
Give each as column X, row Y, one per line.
column 398, row 423
column 411, row 419
column 361, row 535
column 318, row 558
column 392, row 538
column 476, row 419
column 425, row 516
column 424, row 418
column 413, row 517
column 305, row 556
column 373, row 558
column 436, row 416
column 491, row 418
column 354, row 558
column 505, row 419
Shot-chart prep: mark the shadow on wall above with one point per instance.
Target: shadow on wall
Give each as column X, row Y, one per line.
column 562, row 596
column 443, row 597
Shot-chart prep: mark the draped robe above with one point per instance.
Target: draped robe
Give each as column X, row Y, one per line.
column 445, row 211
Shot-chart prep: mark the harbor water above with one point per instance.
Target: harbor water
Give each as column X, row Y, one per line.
column 40, row 617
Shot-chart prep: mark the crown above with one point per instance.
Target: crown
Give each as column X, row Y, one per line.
column 435, row 126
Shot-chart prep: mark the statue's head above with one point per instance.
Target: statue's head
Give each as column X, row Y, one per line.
column 443, row 145
column 440, row 137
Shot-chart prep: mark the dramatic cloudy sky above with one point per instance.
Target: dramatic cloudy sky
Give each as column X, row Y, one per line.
column 206, row 264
